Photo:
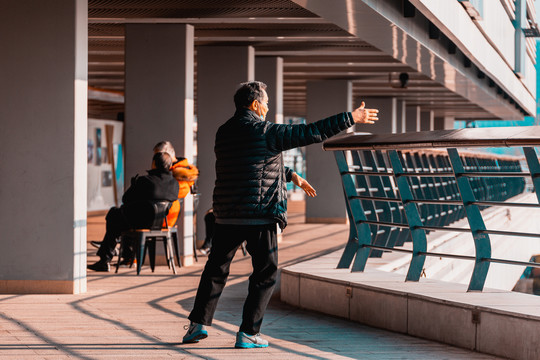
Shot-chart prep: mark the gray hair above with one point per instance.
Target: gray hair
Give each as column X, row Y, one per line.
column 248, row 92
column 162, row 161
column 165, row 146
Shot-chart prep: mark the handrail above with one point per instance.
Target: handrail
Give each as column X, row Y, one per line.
column 475, row 137
column 400, row 187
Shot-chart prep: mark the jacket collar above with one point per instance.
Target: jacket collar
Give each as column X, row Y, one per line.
column 247, row 113
column 158, row 172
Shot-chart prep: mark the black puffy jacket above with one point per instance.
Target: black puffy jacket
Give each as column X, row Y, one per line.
column 250, row 175
column 158, row 185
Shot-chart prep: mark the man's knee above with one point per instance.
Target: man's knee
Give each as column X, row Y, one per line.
column 217, row 269
column 113, row 214
column 268, row 274
column 116, row 221
column 273, row 272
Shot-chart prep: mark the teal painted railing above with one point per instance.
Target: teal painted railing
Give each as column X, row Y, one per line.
column 400, row 187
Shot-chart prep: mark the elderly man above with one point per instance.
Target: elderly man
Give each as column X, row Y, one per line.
column 250, row 198
column 159, row 184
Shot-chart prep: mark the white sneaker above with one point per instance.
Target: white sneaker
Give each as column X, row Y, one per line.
column 195, row 332
column 246, row 341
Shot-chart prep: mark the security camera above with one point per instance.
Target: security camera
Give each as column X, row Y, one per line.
column 404, row 79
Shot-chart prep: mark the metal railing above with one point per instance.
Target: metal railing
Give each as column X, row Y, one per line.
column 400, row 187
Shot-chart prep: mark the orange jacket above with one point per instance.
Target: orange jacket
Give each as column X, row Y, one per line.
column 186, row 175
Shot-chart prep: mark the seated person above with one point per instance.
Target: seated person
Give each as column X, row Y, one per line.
column 158, row 185
column 186, row 175
column 183, row 172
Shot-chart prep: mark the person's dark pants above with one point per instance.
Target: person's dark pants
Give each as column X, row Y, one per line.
column 116, row 224
column 210, row 227
column 262, row 246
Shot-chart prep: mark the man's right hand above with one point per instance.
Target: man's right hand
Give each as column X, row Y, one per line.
column 365, row 116
column 303, row 184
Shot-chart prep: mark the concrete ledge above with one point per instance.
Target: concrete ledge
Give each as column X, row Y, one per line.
column 448, row 323
column 290, row 288
column 509, row 336
column 42, row 286
column 320, row 220
column 496, row 322
column 318, row 295
column 368, row 307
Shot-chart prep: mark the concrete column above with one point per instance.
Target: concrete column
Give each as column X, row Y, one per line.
column 325, row 98
column 220, row 69
column 402, row 116
column 449, row 122
column 427, row 120
column 443, row 123
column 269, row 70
column 412, row 118
column 159, row 103
column 439, row 123
column 388, row 115
column 43, row 107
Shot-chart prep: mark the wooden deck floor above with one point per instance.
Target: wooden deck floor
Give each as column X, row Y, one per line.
column 125, row 316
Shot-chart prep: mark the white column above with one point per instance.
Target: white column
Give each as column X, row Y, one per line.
column 395, row 116
column 220, row 69
column 159, row 103
column 402, row 111
column 43, row 107
column 449, row 122
column 269, row 70
column 325, row 98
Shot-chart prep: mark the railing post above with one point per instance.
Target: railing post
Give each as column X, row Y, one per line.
column 413, row 219
column 356, row 216
column 352, row 243
column 482, row 242
column 534, row 169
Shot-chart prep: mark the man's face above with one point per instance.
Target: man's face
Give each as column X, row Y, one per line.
column 262, row 108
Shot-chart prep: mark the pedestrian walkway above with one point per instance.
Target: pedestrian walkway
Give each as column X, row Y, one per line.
column 125, row 316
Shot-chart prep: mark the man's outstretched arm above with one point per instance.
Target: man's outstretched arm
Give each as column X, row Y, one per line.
column 281, row 137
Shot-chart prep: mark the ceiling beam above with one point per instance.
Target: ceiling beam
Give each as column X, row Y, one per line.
column 231, row 20
column 244, row 38
column 322, row 52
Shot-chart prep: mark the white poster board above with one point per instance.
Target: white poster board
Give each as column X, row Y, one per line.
column 100, row 167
